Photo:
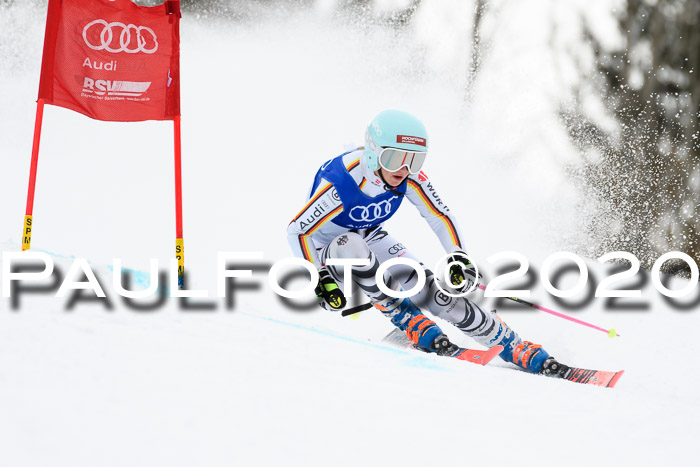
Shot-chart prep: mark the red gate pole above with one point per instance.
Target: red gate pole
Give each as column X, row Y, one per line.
column 179, row 242
column 27, row 231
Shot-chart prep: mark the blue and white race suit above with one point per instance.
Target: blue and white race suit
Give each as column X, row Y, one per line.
column 325, row 216
column 343, row 217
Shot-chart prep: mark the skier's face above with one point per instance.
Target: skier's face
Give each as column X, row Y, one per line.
column 394, row 178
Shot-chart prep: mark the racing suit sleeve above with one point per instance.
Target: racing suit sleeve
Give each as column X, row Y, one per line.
column 422, row 194
column 323, row 205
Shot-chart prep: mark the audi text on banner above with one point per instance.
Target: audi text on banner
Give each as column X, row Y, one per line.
column 112, row 60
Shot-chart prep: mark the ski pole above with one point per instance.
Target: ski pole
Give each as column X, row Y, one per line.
column 611, row 332
column 356, row 309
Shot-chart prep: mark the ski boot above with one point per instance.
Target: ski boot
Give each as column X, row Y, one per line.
column 427, row 336
column 421, row 330
column 528, row 356
column 525, row 354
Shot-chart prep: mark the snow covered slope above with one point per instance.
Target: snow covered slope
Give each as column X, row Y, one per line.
column 261, row 384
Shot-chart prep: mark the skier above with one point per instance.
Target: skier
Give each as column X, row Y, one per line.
column 351, row 197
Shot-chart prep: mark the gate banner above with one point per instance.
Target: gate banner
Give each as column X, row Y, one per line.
column 112, row 60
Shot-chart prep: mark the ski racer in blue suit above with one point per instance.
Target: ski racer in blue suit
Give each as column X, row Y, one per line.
column 351, row 197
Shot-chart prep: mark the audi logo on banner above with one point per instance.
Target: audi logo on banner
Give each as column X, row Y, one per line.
column 125, row 31
column 371, row 212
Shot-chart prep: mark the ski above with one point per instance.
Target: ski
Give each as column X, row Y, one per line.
column 554, row 369
column 607, row 379
column 480, row 357
column 398, row 338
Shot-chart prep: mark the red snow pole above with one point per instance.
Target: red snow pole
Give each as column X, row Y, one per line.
column 27, row 233
column 609, row 332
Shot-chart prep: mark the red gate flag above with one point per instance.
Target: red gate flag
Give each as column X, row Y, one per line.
column 116, row 61
column 112, row 60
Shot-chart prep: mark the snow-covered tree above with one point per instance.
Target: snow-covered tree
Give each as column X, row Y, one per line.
column 646, row 177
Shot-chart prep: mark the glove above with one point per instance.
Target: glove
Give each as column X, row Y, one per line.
column 328, row 294
column 463, row 275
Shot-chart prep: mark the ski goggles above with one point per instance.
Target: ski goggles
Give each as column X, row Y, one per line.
column 393, row 159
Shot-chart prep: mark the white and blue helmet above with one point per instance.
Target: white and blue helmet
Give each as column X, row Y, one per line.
column 394, row 129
